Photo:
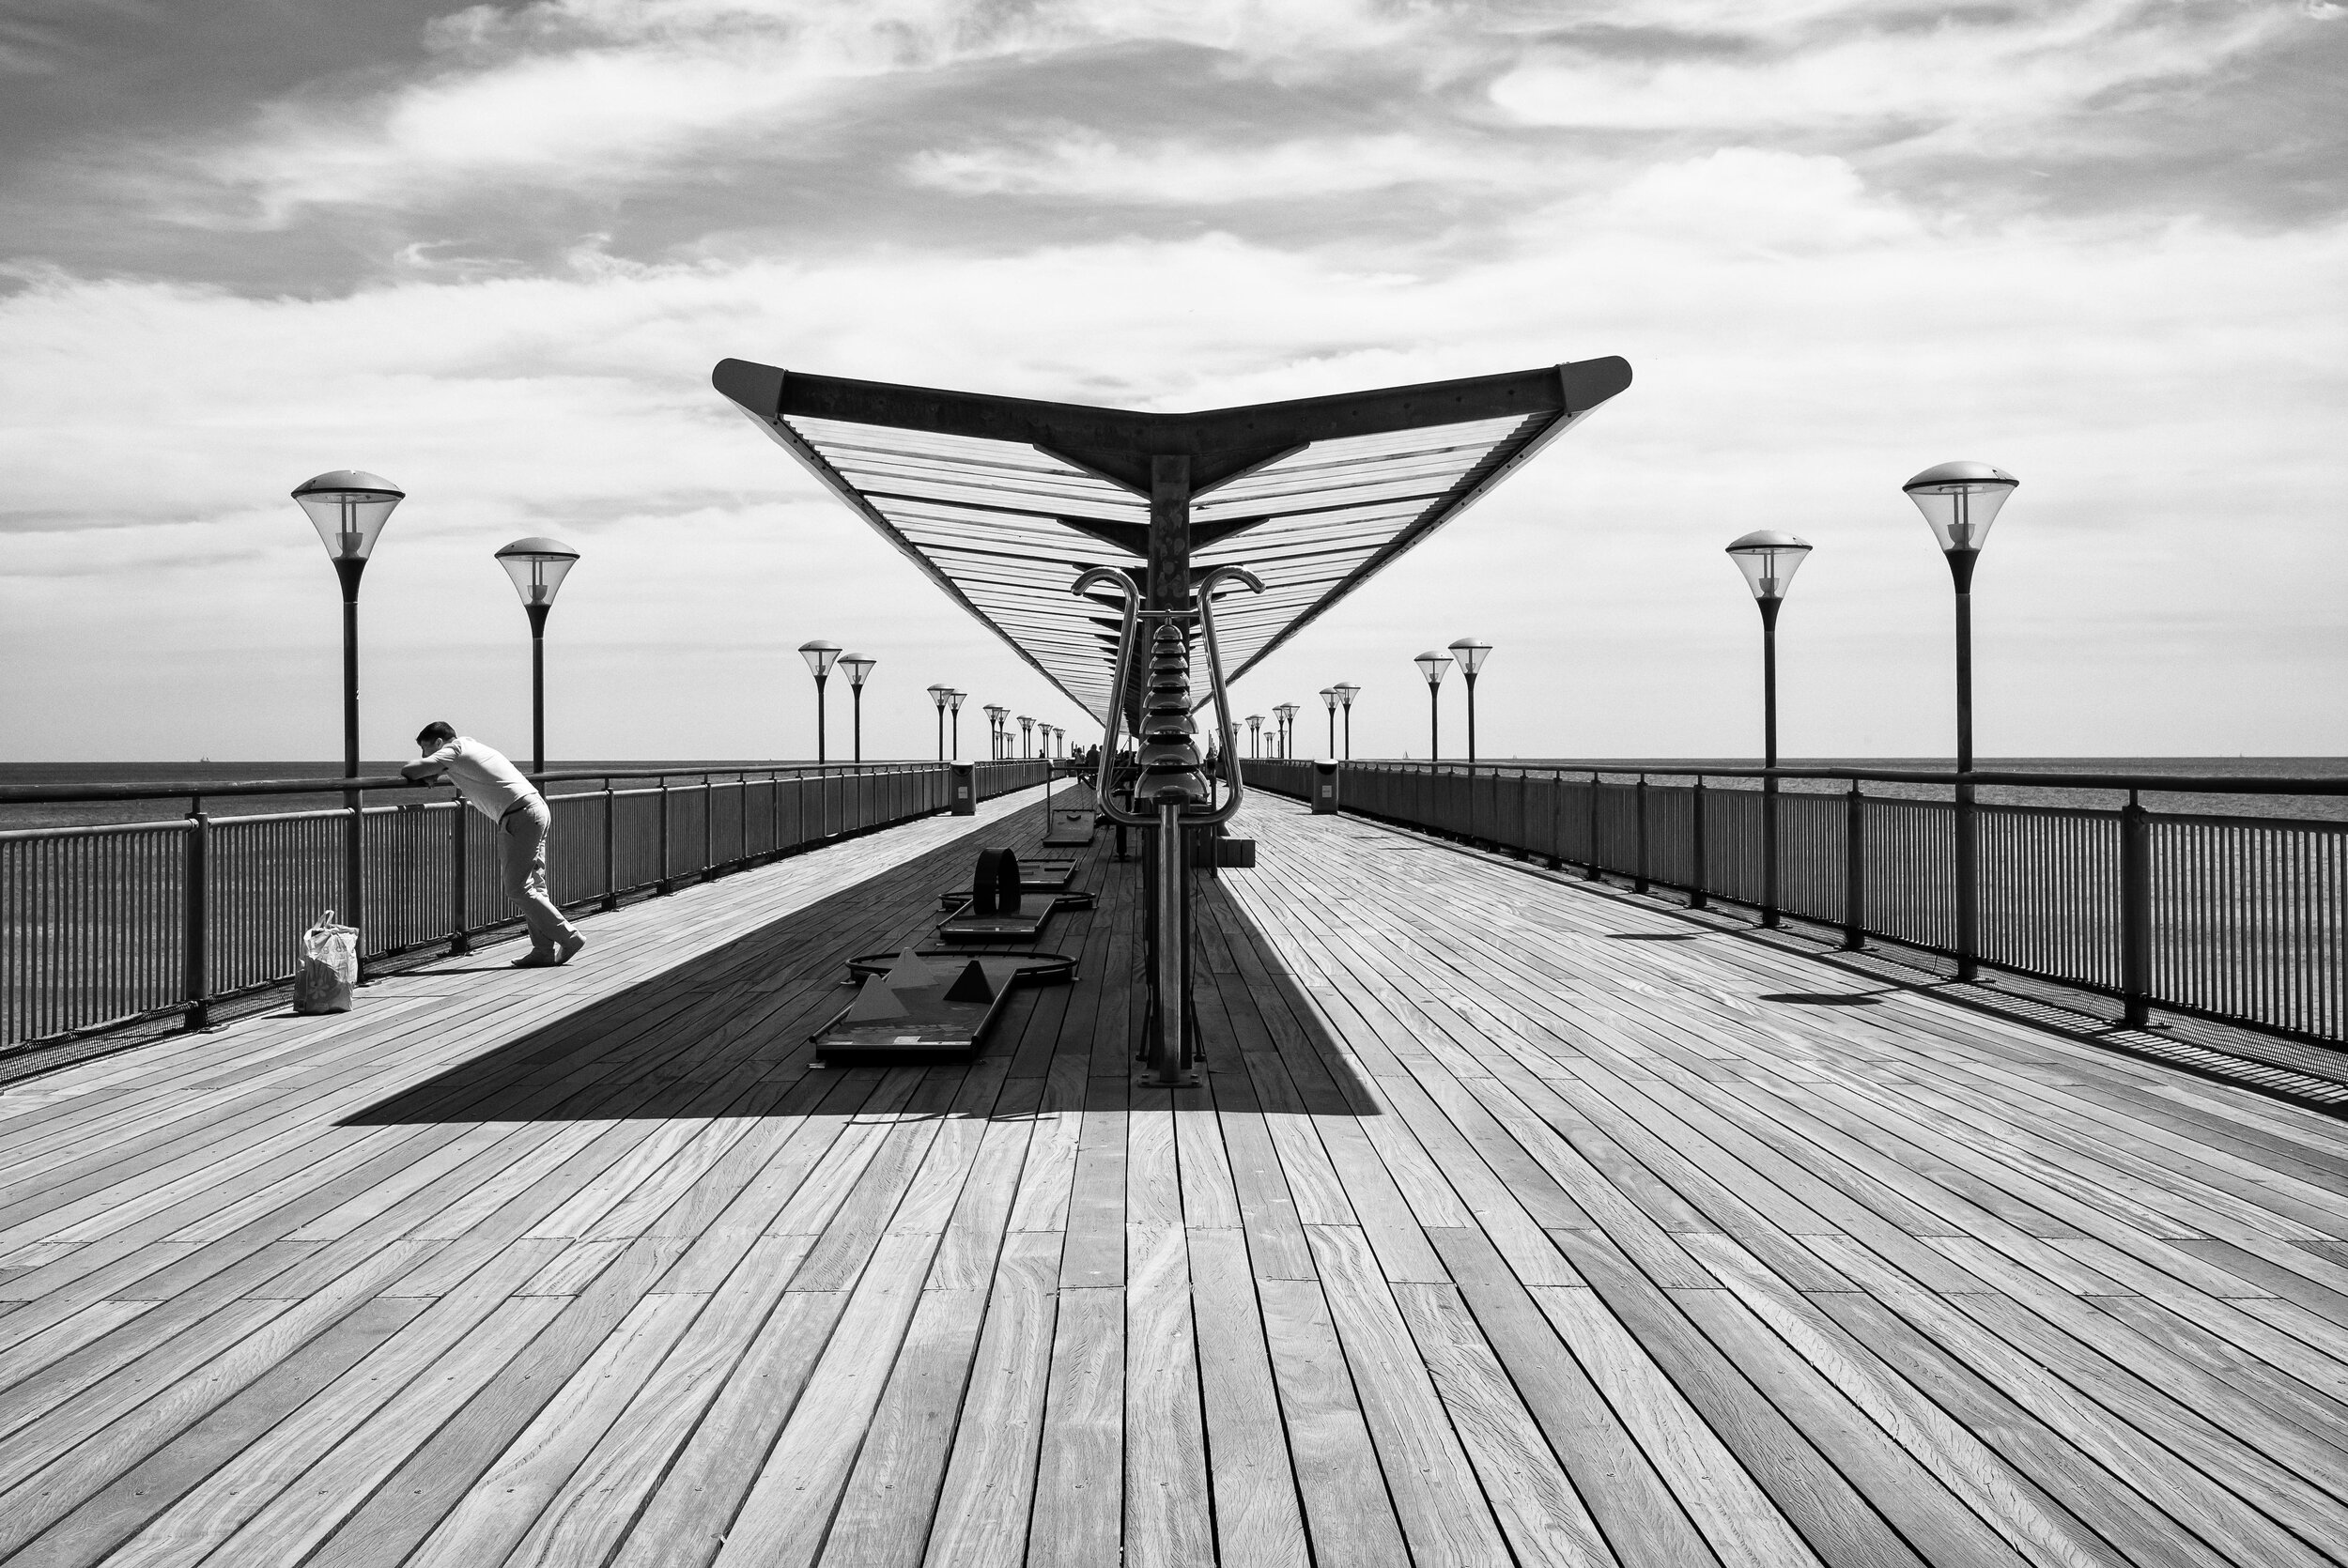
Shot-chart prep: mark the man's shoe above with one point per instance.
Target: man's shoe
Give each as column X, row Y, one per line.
column 536, row 959
column 568, row 947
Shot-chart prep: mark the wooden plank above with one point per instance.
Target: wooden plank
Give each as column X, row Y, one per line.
column 585, row 1520
column 103, row 1497
column 989, row 1485
column 2051, row 1476
column 2140, row 1458
column 1643, row 1523
column 884, row 1513
column 287, row 1522
column 686, row 1520
column 1168, row 1511
column 435, row 1474
column 493, row 1516
column 783, row 1520
column 1349, row 1513
column 1536, row 1502
column 1078, row 1517
column 1258, row 1515
column 1443, row 1512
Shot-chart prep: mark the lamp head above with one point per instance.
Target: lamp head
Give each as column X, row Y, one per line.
column 939, row 696
column 1769, row 560
column 1471, row 653
column 857, row 665
column 349, row 507
column 820, row 656
column 537, row 566
column 1329, row 697
column 953, row 700
column 1432, row 664
column 1961, row 500
column 1346, row 691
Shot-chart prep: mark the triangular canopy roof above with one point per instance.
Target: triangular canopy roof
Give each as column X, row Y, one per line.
column 1005, row 501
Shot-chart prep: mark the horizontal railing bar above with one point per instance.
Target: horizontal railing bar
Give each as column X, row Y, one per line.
column 55, row 795
column 2182, row 784
column 167, row 824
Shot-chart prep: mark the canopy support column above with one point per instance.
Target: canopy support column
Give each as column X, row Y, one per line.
column 1173, row 1051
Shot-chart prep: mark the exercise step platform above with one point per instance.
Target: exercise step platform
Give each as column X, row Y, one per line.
column 920, row 1009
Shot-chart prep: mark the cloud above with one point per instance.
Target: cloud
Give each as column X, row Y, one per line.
column 578, row 94
column 2027, row 67
column 1079, row 164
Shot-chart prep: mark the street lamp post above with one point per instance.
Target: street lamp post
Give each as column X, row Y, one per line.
column 1286, row 712
column 1254, row 734
column 953, row 706
column 1769, row 560
column 537, row 566
column 1471, row 655
column 1026, row 736
column 938, row 695
column 1431, row 665
column 858, row 667
column 820, row 656
column 1346, row 691
column 1329, row 701
column 349, row 507
column 994, row 716
column 1959, row 501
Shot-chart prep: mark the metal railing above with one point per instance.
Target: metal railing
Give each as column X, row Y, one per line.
column 107, row 924
column 2243, row 919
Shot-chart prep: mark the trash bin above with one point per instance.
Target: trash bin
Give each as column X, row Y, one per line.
column 964, row 793
column 1325, row 787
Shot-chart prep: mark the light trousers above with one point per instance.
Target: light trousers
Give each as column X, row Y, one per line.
column 522, row 834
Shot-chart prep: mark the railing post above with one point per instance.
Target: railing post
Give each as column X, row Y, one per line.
column 662, row 884
column 1854, row 870
column 196, row 945
column 1638, row 838
column 459, row 937
column 1589, row 873
column 1967, row 826
column 611, row 846
column 1697, row 898
column 354, row 875
column 2136, row 911
column 709, row 829
column 1557, row 814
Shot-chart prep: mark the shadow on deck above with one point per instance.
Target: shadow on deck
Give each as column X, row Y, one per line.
column 726, row 1033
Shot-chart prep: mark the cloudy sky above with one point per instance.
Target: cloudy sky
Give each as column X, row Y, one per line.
column 492, row 253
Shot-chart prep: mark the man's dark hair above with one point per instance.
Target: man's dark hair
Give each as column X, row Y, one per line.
column 436, row 733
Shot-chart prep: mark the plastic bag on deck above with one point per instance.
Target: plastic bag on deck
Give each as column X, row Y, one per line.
column 330, row 967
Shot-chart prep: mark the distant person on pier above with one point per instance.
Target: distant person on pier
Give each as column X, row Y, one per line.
column 496, row 788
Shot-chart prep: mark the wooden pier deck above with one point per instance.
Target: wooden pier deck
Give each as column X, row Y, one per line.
column 1515, row 1222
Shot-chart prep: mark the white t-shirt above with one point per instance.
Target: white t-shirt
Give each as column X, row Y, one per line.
column 487, row 781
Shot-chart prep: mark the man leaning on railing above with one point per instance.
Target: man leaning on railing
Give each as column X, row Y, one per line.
column 496, row 788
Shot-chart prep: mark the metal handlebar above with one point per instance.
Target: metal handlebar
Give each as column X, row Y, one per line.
column 1235, row 787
